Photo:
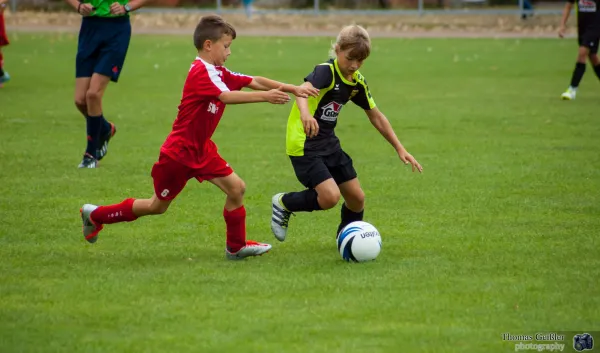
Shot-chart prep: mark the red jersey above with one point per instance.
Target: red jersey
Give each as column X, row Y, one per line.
column 200, row 111
column 3, row 38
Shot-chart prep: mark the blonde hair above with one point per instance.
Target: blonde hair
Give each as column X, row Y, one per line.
column 353, row 37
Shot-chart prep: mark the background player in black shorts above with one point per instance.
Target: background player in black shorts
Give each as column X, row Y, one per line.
column 588, row 28
column 319, row 162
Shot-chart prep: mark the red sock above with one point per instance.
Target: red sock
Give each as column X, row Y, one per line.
column 121, row 212
column 236, row 228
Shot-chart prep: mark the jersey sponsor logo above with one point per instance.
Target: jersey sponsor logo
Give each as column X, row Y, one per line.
column 331, row 111
column 587, row 6
column 212, row 107
column 354, row 93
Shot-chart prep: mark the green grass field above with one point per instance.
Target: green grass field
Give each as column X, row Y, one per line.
column 499, row 234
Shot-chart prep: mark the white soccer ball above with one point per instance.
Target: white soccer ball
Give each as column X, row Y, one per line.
column 359, row 242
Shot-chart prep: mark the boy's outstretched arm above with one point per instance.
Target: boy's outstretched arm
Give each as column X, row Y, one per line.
column 382, row 124
column 274, row 96
column 263, row 84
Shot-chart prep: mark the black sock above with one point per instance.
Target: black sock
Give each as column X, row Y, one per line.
column 105, row 127
column 94, row 126
column 348, row 216
column 1, row 72
column 301, row 201
column 597, row 70
column 577, row 74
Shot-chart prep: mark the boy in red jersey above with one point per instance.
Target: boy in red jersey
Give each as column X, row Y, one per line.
column 189, row 152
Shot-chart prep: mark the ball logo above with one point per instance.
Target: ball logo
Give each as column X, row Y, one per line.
column 368, row 235
column 331, row 111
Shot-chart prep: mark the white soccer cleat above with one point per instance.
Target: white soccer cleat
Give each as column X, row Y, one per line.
column 252, row 248
column 90, row 228
column 280, row 218
column 569, row 94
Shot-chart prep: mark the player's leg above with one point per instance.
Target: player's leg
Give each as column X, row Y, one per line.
column 101, row 129
column 110, row 63
column 94, row 217
column 82, row 84
column 342, row 170
column 169, row 178
column 354, row 203
column 322, row 193
column 234, row 213
column 89, row 43
column 593, row 56
column 579, row 70
column 94, row 119
column 4, row 76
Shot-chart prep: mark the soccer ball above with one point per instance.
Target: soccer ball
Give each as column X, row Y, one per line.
column 359, row 242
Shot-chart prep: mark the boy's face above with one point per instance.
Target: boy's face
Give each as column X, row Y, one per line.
column 219, row 50
column 348, row 65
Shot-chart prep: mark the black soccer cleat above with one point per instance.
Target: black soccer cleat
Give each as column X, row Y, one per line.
column 103, row 143
column 88, row 162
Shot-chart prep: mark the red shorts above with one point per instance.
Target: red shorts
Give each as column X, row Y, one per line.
column 171, row 176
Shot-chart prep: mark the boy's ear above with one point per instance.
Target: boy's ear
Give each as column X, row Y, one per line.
column 207, row 44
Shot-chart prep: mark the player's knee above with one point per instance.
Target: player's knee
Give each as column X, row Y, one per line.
column 358, row 199
column 237, row 190
column 594, row 59
column 329, row 198
column 582, row 54
column 92, row 96
column 80, row 102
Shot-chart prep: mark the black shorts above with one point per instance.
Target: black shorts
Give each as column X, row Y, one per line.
column 589, row 38
column 313, row 170
column 103, row 44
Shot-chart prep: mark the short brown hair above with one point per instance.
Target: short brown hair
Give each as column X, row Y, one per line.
column 355, row 38
column 211, row 27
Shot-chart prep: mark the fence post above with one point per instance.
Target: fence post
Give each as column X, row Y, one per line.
column 421, row 5
column 219, row 6
column 13, row 6
column 521, row 6
column 316, row 7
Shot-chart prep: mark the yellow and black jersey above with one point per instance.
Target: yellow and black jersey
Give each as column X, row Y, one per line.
column 335, row 92
column 588, row 15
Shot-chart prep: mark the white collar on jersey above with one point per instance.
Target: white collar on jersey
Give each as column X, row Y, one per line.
column 205, row 63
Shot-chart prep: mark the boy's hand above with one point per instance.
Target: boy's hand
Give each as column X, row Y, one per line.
column 561, row 31
column 117, row 9
column 408, row 158
column 311, row 126
column 85, row 9
column 277, row 96
column 305, row 91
